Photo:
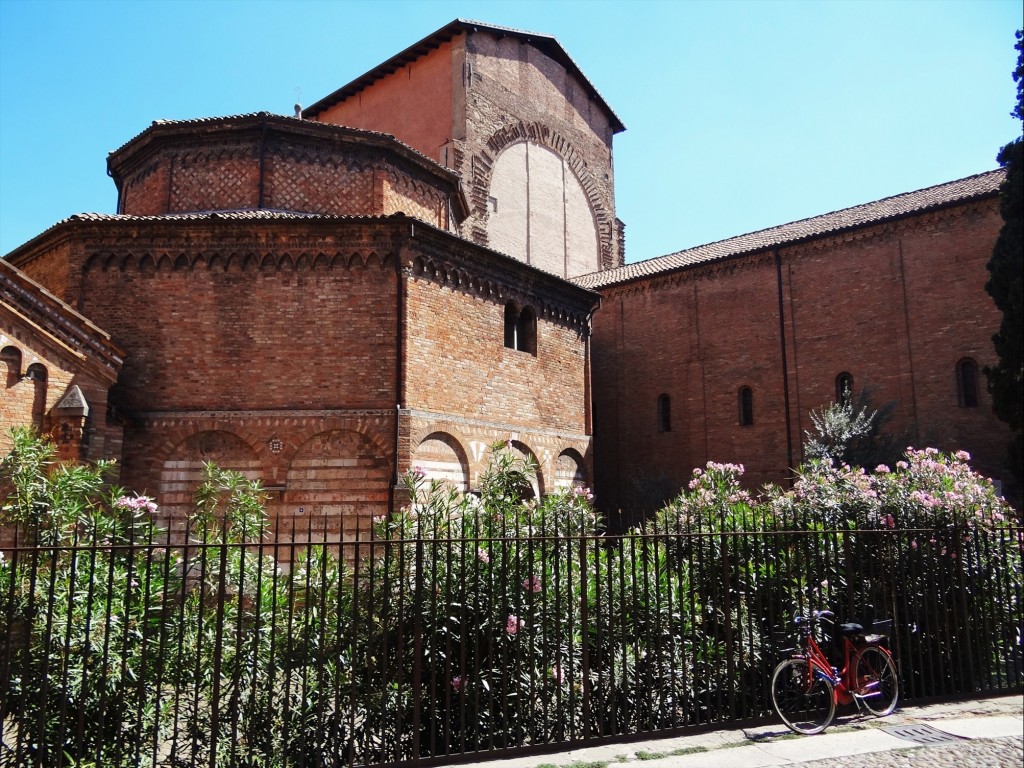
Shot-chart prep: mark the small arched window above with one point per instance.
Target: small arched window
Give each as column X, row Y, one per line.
column 10, row 359
column 967, row 383
column 37, row 373
column 526, row 331
column 664, row 413
column 746, row 403
column 511, row 316
column 844, row 388
column 520, row 329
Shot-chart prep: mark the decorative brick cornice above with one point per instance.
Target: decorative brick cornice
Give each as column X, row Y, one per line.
column 498, row 278
column 58, row 325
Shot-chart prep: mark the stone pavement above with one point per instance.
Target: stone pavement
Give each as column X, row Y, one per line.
column 981, row 733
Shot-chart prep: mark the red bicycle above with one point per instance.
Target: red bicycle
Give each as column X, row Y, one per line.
column 806, row 687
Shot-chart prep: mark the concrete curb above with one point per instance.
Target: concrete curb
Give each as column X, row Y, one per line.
column 774, row 745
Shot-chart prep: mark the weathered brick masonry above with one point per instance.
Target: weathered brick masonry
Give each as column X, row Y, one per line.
column 270, row 344
column 323, row 306
column 477, row 91
column 891, row 293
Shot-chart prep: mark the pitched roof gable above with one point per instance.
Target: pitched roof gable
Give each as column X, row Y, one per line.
column 548, row 44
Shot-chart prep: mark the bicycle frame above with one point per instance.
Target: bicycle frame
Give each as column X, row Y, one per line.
column 843, row 682
column 807, row 689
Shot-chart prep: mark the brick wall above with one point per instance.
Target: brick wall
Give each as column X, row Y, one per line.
column 457, row 362
column 517, row 93
column 254, row 344
column 275, row 163
column 269, row 346
column 318, row 335
column 422, row 88
column 463, row 382
column 489, row 92
column 902, row 303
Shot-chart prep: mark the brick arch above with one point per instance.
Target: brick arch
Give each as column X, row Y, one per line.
column 541, row 135
column 442, row 456
column 523, row 450
column 570, row 470
column 10, row 358
column 338, row 480
column 182, row 471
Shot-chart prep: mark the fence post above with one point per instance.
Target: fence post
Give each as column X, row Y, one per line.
column 417, row 654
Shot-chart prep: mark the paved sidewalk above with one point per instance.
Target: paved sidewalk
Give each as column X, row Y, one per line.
column 980, row 733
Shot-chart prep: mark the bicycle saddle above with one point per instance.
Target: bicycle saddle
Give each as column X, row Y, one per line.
column 846, row 630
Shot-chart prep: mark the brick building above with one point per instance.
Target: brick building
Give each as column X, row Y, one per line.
column 720, row 352
column 56, row 368
column 427, row 261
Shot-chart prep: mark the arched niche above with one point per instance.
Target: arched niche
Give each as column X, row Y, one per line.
column 440, row 457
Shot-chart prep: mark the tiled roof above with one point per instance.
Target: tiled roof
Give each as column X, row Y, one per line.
column 981, row 185
column 546, row 43
column 239, row 215
column 286, row 122
column 262, row 214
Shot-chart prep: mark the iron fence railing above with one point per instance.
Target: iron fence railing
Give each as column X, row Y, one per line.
column 360, row 651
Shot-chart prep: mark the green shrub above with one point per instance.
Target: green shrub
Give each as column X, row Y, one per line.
column 470, row 622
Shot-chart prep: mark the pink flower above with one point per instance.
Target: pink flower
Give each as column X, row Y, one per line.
column 482, row 556
column 514, row 624
column 558, row 673
column 583, row 491
column 458, row 683
column 138, row 503
column 913, row 544
column 532, row 584
column 889, row 521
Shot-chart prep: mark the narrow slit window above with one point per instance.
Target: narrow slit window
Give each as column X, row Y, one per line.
column 967, row 383
column 526, row 331
column 36, row 374
column 664, row 413
column 844, row 388
column 746, row 403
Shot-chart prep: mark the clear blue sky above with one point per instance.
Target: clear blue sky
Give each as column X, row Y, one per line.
column 740, row 115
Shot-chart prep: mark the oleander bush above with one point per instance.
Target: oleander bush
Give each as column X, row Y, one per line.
column 471, row 621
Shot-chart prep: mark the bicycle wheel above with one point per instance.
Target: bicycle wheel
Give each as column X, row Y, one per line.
column 878, row 686
column 806, row 703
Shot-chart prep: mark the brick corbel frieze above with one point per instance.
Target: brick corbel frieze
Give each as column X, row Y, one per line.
column 474, row 273
column 482, row 165
column 237, row 243
column 706, row 271
column 259, row 429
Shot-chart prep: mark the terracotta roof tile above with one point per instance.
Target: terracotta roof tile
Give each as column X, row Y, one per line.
column 980, row 185
column 284, row 120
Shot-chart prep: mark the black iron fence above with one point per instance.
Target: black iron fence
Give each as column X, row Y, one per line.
column 398, row 648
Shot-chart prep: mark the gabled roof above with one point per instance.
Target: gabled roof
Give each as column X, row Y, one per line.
column 545, row 43
column 889, row 208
